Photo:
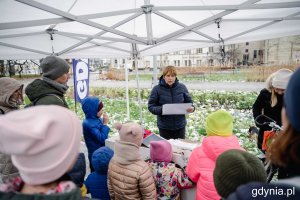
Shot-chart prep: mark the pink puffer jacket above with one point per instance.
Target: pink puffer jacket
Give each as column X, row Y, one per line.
column 202, row 163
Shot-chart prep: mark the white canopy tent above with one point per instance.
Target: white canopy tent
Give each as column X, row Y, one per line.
column 131, row 28
column 110, row 28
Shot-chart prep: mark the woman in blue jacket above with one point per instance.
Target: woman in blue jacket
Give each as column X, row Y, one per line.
column 95, row 129
column 169, row 91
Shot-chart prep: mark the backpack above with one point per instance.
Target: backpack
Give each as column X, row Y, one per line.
column 37, row 99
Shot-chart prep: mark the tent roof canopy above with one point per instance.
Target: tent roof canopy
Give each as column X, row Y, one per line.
column 112, row 28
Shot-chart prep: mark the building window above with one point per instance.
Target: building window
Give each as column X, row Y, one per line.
column 247, row 43
column 246, row 50
column 210, row 49
column 187, row 52
column 246, row 57
column 199, row 50
column 178, row 62
column 254, row 54
column 198, row 62
column 187, row 63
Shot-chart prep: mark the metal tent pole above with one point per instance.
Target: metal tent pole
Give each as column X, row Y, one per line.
column 127, row 93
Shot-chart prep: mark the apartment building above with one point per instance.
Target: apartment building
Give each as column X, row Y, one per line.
column 285, row 50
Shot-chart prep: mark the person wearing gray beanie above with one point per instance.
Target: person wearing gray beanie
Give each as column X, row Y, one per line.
column 51, row 88
column 53, row 67
column 234, row 168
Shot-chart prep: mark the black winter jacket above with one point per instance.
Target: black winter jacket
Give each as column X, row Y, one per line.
column 262, row 105
column 164, row 94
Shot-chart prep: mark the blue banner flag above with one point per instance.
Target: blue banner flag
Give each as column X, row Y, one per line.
column 81, row 78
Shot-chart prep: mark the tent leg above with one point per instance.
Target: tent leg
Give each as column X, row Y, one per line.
column 138, row 88
column 127, row 93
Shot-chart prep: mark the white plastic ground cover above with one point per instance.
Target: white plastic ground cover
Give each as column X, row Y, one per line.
column 124, row 28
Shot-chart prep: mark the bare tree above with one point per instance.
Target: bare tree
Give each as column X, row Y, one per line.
column 12, row 70
column 2, row 68
column 231, row 56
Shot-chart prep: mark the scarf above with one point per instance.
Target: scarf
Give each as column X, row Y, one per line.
column 126, row 152
column 60, row 87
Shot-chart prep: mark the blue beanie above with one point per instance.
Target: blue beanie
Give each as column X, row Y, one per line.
column 101, row 158
column 292, row 99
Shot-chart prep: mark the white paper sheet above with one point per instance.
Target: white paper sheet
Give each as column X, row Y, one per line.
column 175, row 108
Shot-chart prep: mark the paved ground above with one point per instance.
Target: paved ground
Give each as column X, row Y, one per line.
column 191, row 85
column 225, row 86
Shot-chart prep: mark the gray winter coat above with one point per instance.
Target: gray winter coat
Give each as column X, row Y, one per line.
column 7, row 87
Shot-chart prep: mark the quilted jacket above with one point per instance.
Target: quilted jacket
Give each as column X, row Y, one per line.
column 129, row 177
column 202, row 162
column 163, row 94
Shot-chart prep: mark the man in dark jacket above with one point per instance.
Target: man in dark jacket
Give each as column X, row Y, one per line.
column 169, row 91
column 50, row 90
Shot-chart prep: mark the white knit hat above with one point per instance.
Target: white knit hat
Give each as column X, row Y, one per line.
column 281, row 78
column 43, row 141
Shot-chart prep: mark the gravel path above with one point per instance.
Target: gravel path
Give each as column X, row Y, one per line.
column 191, row 85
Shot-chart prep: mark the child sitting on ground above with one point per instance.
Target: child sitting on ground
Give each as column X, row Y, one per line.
column 219, row 127
column 237, row 167
column 129, row 176
column 96, row 182
column 95, row 129
column 169, row 178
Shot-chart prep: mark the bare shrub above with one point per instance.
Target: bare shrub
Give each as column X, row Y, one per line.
column 261, row 73
column 116, row 74
column 197, row 70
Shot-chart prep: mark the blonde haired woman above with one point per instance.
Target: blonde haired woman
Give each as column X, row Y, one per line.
column 270, row 100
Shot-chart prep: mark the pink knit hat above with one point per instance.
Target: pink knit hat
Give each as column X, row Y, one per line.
column 161, row 151
column 130, row 132
column 43, row 141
